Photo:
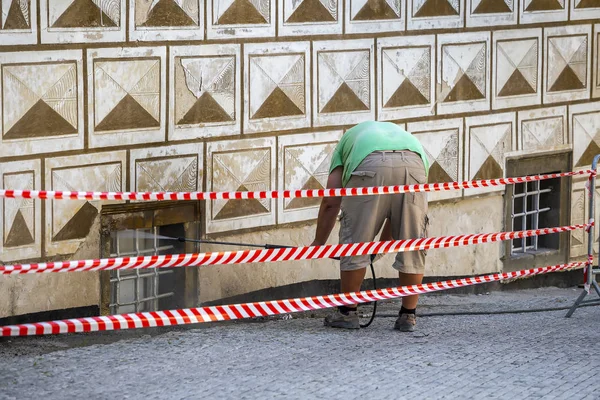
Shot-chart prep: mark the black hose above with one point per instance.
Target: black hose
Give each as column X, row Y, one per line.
column 374, row 302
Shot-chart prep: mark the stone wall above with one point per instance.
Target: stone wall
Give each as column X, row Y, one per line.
column 218, row 95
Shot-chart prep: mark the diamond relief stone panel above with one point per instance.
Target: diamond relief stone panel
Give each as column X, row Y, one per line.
column 568, row 62
column 240, row 165
column 21, row 218
column 343, row 83
column 68, row 223
column 584, row 126
column 536, row 11
column 542, row 129
column 405, row 71
column 584, row 9
column 240, row 18
column 205, row 91
column 463, row 71
column 166, row 20
column 517, row 69
column 596, row 66
column 42, row 102
column 277, row 86
column 366, row 16
column 176, row 168
column 309, row 17
column 435, row 14
column 488, row 140
column 303, row 164
column 18, row 21
column 442, row 141
column 127, row 95
column 82, row 21
column 491, row 12
column 579, row 212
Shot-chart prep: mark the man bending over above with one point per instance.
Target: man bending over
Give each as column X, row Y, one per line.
column 376, row 154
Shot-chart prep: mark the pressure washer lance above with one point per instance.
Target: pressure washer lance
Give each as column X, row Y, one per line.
column 145, row 235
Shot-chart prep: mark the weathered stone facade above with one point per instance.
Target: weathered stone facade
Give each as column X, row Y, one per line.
column 220, row 95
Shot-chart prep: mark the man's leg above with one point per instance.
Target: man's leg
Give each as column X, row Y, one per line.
column 410, row 302
column 409, row 221
column 352, row 280
column 362, row 217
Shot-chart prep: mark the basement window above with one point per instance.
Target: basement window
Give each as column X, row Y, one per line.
column 534, row 206
column 143, row 229
column 537, row 205
column 138, row 290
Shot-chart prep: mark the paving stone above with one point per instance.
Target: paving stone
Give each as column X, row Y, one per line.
column 502, row 356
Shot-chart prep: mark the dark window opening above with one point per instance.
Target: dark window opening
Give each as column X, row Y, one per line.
column 138, row 229
column 537, row 205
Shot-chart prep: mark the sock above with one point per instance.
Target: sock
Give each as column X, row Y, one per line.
column 345, row 310
column 407, row 311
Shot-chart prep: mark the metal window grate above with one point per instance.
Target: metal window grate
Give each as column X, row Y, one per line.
column 527, row 213
column 137, row 290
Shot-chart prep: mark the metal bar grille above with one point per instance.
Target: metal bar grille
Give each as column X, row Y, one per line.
column 137, row 290
column 526, row 199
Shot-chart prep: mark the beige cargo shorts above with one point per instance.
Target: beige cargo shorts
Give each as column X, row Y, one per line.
column 362, row 217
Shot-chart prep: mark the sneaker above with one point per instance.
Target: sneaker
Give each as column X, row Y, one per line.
column 406, row 323
column 338, row 320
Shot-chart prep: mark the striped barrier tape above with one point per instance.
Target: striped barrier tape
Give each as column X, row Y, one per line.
column 258, row 309
column 274, row 194
column 277, row 254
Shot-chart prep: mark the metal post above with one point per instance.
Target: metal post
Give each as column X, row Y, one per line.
column 591, row 271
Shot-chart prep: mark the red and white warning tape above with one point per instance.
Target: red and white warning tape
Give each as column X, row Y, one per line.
column 274, row 194
column 264, row 308
column 279, row 254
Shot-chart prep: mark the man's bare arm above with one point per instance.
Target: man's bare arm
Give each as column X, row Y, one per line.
column 330, row 207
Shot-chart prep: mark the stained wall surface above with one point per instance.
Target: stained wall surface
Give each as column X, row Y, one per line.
column 223, row 95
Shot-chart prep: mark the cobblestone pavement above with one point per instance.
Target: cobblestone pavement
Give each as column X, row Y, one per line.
column 508, row 356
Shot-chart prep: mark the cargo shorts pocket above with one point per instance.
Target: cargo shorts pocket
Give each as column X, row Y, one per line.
column 364, row 174
column 425, row 230
column 419, row 199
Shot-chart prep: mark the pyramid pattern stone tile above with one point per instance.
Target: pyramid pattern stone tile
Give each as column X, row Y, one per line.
column 241, row 171
column 407, row 75
column 127, row 94
column 15, row 15
column 543, row 129
column 364, row 16
column 206, row 87
column 20, row 219
column 19, row 214
column 517, row 67
column 44, row 102
column 463, row 71
column 344, row 84
column 74, row 220
column 277, row 92
column 69, row 223
column 240, row 165
column 537, row 11
column 586, row 137
column 488, row 144
column 84, row 14
column 568, row 60
column 310, row 17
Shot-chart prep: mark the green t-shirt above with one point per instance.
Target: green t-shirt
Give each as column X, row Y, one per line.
column 367, row 137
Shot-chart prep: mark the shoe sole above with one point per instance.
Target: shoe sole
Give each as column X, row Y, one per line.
column 404, row 328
